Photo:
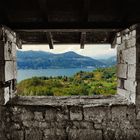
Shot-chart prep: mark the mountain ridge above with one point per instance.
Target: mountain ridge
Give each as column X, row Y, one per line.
column 43, row 60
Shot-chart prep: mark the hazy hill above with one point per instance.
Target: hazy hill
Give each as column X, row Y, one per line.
column 110, row 61
column 43, row 60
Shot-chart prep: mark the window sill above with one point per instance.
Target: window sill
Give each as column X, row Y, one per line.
column 96, row 100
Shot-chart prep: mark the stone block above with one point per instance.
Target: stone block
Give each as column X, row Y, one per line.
column 132, row 97
column 119, row 113
column 76, row 113
column 123, row 38
column 29, row 124
column 131, row 71
column 130, row 85
column 2, row 135
column 120, row 59
column 96, row 114
column 127, row 36
column 38, row 116
column 4, row 95
column 10, row 35
column 7, row 51
column 44, row 125
column 16, row 126
column 119, row 40
column 27, row 115
column 82, row 125
column 122, row 71
column 123, row 92
column 50, row 114
column 33, row 134
column 62, row 114
column 133, row 33
column 98, row 126
column 16, row 110
column 133, row 42
column 34, row 124
column 60, row 132
column 49, row 132
column 137, row 124
column 130, row 41
column 123, row 45
column 15, row 69
column 129, row 55
column 138, row 115
column 7, row 71
column 86, row 125
column 131, row 113
column 17, row 135
column 84, row 134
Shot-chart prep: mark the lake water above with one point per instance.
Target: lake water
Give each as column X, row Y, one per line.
column 25, row 74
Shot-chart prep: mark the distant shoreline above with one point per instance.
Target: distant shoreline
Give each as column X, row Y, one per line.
column 61, row 68
column 28, row 73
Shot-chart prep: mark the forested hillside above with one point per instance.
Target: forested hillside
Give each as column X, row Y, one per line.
column 44, row 60
column 100, row 81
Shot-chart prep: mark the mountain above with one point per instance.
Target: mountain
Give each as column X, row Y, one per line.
column 43, row 60
column 110, row 61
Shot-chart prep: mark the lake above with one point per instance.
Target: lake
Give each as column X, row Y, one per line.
column 28, row 73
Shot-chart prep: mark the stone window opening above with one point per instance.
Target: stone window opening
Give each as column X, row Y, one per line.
column 84, row 73
column 125, row 41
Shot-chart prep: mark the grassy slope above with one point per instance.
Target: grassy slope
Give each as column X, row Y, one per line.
column 100, row 81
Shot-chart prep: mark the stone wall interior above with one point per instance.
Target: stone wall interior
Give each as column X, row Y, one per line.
column 126, row 67
column 72, row 118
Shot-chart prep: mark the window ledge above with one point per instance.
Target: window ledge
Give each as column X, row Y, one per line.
column 96, row 100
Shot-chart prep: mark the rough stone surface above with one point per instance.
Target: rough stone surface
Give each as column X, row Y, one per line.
column 130, row 85
column 82, row 134
column 138, row 115
column 91, row 114
column 7, row 65
column 122, row 71
column 38, row 116
column 127, row 67
column 17, row 135
column 99, row 122
column 33, row 134
column 129, row 55
column 132, row 71
column 76, row 113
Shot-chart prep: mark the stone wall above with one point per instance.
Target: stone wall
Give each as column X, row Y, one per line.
column 8, row 71
column 72, row 121
column 81, row 118
column 126, row 59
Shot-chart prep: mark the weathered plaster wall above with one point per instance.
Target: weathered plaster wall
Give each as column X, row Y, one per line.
column 81, row 118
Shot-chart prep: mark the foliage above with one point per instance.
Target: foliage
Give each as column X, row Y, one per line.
column 100, row 81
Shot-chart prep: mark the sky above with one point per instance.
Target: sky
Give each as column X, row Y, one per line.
column 94, row 51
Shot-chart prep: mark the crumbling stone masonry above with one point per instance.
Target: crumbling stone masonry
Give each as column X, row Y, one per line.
column 76, row 118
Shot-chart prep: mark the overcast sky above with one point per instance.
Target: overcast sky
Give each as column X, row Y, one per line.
column 95, row 51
